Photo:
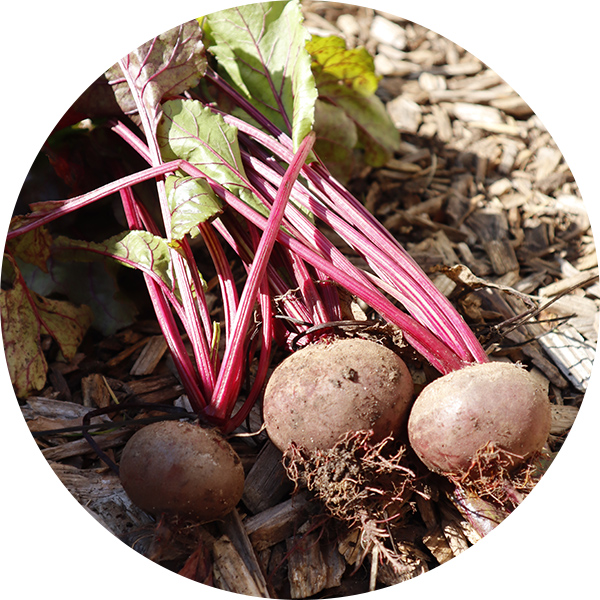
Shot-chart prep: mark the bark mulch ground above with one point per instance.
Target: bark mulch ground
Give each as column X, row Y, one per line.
column 479, row 183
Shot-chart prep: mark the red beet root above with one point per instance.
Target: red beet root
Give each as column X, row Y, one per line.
column 181, row 468
column 327, row 390
column 461, row 413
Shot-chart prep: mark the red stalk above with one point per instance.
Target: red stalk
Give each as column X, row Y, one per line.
column 435, row 312
column 263, row 362
column 432, row 308
column 224, row 275
column 165, row 317
column 225, row 393
column 431, row 347
column 67, row 206
column 192, row 322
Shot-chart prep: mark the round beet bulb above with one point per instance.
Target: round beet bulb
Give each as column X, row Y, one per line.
column 181, row 468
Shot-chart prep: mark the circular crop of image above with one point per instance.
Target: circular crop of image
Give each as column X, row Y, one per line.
column 299, row 300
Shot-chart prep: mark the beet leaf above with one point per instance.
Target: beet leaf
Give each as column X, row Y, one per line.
column 260, row 49
column 347, row 82
column 196, row 134
column 135, row 249
column 32, row 247
column 26, row 317
column 162, row 67
column 191, row 202
column 91, row 283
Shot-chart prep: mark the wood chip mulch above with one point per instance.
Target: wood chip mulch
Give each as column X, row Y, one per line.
column 478, row 182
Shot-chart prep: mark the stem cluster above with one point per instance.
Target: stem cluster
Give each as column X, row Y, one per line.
column 286, row 256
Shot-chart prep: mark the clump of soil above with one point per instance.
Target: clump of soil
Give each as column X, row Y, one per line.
column 364, row 485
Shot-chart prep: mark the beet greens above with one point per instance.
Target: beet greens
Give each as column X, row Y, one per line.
column 229, row 148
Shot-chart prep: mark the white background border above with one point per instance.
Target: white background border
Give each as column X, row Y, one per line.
column 51, row 51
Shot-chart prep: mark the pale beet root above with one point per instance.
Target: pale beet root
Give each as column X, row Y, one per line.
column 327, row 390
column 458, row 415
column 181, row 468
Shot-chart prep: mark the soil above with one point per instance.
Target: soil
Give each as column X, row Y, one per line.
column 482, row 198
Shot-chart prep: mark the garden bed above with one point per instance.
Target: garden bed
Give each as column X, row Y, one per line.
column 482, row 198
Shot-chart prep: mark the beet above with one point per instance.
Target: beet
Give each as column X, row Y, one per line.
column 330, row 389
column 458, row 415
column 181, row 468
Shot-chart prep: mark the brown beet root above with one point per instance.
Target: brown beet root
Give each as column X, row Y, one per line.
column 324, row 391
column 457, row 415
column 181, row 468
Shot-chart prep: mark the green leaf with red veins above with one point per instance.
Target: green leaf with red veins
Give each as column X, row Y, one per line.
column 346, row 80
column 191, row 202
column 25, row 318
column 192, row 132
column 354, row 68
column 260, row 49
column 163, row 67
column 136, row 249
column 21, row 335
column 376, row 134
column 65, row 322
column 32, row 247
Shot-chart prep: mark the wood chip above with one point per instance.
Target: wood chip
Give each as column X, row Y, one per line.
column 125, row 354
column 58, row 409
column 231, row 572
column 470, row 96
column 413, row 564
column 500, row 187
column 442, row 122
column 388, row 33
column 563, row 418
column 236, row 534
column 563, row 285
column 384, row 65
column 95, row 391
column 546, row 161
column 463, row 68
column 512, row 105
column 307, row 570
column 335, row 563
column 503, row 128
column 437, row 544
column 79, row 447
column 588, row 261
column 455, row 537
column 266, row 483
column 476, row 113
column 348, row 25
column 405, row 113
column 103, row 495
column 481, row 81
column 349, row 546
column 277, row 523
column 426, row 510
column 150, row 356
column 159, row 388
column 431, row 83
column 502, row 256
